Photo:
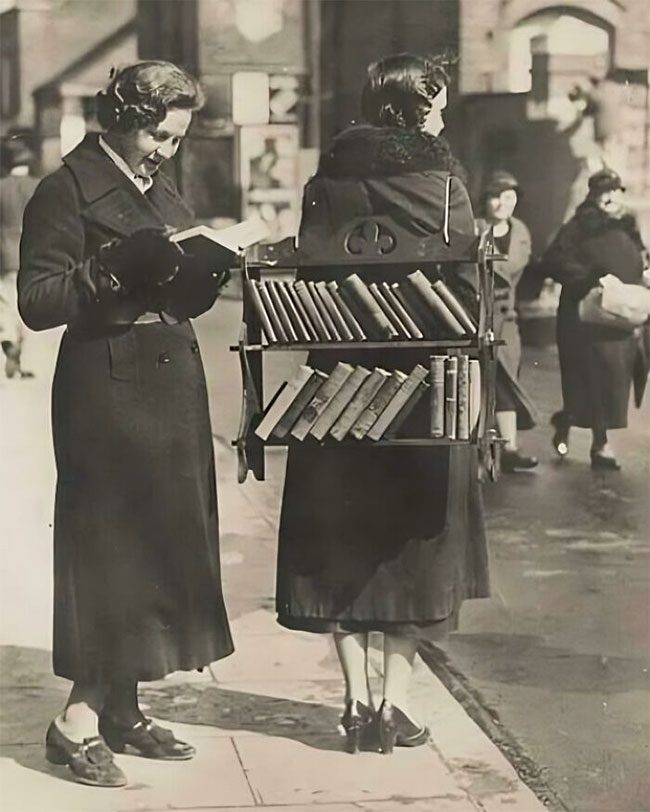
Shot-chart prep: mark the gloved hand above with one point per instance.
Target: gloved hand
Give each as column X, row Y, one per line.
column 141, row 263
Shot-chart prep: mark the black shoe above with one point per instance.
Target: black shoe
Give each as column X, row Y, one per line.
column 397, row 730
column 602, row 463
column 146, row 738
column 560, row 439
column 514, row 461
column 360, row 724
column 91, row 762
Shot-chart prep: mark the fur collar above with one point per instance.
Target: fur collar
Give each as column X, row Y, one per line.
column 594, row 221
column 364, row 151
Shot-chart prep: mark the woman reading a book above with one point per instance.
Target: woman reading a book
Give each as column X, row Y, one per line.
column 385, row 539
column 137, row 591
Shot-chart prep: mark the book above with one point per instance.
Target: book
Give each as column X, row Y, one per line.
column 416, row 309
column 462, row 430
column 441, row 313
column 281, row 310
column 344, row 332
column 474, row 396
column 371, row 413
column 300, row 307
column 337, row 404
column 350, row 319
column 438, row 395
column 216, row 250
column 324, row 313
column 398, row 307
column 390, row 314
column 337, row 377
column 401, row 417
column 256, row 299
column 451, row 397
column 310, row 306
column 282, row 402
column 267, row 303
column 290, row 306
column 363, row 305
column 458, row 310
column 289, row 418
column 362, row 398
column 417, row 376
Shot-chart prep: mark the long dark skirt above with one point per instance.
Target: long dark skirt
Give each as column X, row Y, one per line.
column 137, row 587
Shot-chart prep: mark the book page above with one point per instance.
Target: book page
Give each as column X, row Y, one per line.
column 235, row 238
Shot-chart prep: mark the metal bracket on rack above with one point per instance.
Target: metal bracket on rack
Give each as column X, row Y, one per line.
column 247, row 459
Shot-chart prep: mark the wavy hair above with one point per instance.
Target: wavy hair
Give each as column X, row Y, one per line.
column 141, row 95
column 400, row 89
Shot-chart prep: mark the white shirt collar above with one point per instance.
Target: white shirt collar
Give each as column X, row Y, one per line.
column 141, row 183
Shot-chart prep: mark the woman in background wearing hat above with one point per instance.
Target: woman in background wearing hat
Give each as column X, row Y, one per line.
column 596, row 362
column 512, row 238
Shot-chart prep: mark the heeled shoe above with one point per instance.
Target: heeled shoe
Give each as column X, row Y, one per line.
column 397, row 730
column 560, row 439
column 599, row 462
column 146, row 738
column 512, row 461
column 90, row 762
column 359, row 722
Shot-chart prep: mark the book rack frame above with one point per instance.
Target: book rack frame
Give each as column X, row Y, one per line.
column 369, row 243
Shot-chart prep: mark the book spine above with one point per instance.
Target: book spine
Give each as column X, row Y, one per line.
column 451, row 397
column 414, row 307
column 300, row 307
column 354, row 286
column 281, row 310
column 289, row 418
column 324, row 312
column 388, row 311
column 474, row 393
column 328, row 390
column 338, row 403
column 371, row 413
column 256, row 299
column 402, row 416
column 434, row 303
column 455, row 306
column 438, row 395
column 289, row 305
column 463, row 397
column 337, row 317
column 398, row 307
column 310, row 306
column 348, row 315
column 418, row 374
column 270, row 309
column 364, row 395
column 282, row 401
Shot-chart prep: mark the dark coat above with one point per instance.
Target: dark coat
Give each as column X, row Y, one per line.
column 596, row 362
column 137, row 590
column 379, row 537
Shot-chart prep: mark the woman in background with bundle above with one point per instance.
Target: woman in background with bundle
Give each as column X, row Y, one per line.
column 383, row 539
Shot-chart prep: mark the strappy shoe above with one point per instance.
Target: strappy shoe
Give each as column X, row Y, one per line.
column 148, row 739
column 90, row 762
column 360, row 725
column 397, row 730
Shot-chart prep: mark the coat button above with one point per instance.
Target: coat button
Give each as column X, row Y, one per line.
column 194, row 346
column 164, row 358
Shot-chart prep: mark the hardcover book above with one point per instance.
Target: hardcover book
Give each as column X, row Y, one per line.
column 267, row 302
column 283, row 401
column 474, row 393
column 350, row 319
column 300, row 307
column 393, row 430
column 216, row 250
column 281, row 310
column 289, row 418
column 417, row 376
column 338, row 403
column 364, row 395
column 438, row 395
column 441, row 313
column 363, row 305
column 265, row 321
column 416, row 308
column 463, row 317
column 398, row 307
column 296, row 318
column 310, row 306
column 451, row 397
column 324, row 313
column 370, row 414
column 344, row 332
column 462, row 431
column 337, row 377
column 390, row 314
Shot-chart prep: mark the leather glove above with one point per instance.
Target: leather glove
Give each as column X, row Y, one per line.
column 140, row 263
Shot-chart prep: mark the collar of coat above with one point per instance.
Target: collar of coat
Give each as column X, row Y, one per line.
column 593, row 221
column 365, row 151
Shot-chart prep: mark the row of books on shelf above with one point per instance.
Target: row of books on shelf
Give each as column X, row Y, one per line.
column 355, row 402
column 307, row 311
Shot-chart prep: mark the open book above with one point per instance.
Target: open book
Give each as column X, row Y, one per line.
column 216, row 250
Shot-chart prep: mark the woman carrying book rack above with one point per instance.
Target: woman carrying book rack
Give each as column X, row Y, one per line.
column 388, row 539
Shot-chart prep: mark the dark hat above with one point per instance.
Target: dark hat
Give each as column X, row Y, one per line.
column 605, row 180
column 499, row 181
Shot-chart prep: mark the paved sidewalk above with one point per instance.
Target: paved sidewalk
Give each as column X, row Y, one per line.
column 264, row 720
